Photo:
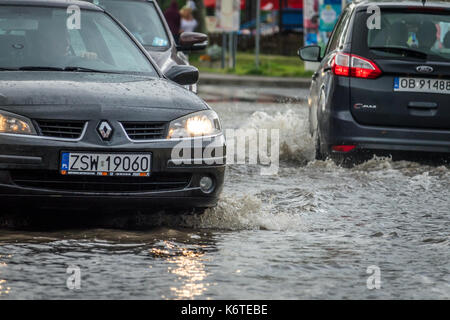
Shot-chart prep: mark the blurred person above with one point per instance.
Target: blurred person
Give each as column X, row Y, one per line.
column 128, row 20
column 399, row 35
column 188, row 22
column 173, row 19
column 54, row 49
column 446, row 41
column 57, row 49
column 426, row 35
column 444, row 29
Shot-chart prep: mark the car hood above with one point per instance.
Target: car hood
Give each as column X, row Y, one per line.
column 76, row 91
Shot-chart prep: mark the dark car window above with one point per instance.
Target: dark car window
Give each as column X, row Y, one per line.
column 407, row 34
column 140, row 18
column 40, row 37
column 338, row 34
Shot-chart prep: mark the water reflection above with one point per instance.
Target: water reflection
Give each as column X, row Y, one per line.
column 4, row 289
column 189, row 268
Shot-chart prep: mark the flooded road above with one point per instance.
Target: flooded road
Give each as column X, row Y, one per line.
column 312, row 231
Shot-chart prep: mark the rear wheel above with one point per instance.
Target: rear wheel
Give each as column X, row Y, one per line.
column 348, row 160
column 341, row 159
column 320, row 155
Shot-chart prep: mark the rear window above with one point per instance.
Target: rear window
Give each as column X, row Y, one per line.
column 406, row 34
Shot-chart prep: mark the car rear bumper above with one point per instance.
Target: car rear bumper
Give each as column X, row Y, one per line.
column 344, row 130
column 29, row 175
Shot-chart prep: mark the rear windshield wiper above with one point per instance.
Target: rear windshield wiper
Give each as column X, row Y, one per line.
column 401, row 50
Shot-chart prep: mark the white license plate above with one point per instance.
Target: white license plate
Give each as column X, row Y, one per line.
column 105, row 164
column 422, row 85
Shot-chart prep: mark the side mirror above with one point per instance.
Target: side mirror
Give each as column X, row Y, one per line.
column 183, row 74
column 310, row 53
column 192, row 41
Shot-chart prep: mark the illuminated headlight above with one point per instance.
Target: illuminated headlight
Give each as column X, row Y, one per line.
column 13, row 123
column 203, row 123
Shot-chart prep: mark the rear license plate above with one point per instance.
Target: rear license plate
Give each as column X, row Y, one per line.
column 422, row 85
column 105, row 164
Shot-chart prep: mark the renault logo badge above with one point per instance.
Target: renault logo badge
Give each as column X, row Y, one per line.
column 105, row 130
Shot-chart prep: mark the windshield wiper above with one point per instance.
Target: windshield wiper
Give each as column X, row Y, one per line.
column 82, row 69
column 401, row 50
column 68, row 69
column 65, row 69
column 39, row 68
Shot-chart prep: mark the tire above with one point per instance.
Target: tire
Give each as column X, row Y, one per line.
column 323, row 154
column 340, row 159
column 319, row 152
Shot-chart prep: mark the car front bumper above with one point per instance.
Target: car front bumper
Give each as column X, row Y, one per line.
column 29, row 175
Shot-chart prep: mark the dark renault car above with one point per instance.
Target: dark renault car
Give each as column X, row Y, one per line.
column 386, row 88
column 144, row 19
column 86, row 117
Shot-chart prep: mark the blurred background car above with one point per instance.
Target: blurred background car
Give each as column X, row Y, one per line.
column 145, row 20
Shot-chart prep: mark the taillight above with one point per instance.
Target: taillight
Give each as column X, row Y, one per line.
column 341, row 64
column 350, row 65
column 343, row 148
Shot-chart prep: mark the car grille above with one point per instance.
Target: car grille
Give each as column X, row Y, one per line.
column 61, row 128
column 52, row 180
column 145, row 130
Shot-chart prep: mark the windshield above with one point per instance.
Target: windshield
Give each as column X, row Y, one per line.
column 141, row 19
column 38, row 37
column 410, row 34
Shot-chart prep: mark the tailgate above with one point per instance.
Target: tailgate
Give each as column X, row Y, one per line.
column 412, row 49
column 403, row 96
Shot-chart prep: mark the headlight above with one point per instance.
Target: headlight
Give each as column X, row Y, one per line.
column 13, row 123
column 203, row 123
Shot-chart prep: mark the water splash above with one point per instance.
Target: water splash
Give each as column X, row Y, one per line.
column 242, row 213
column 296, row 143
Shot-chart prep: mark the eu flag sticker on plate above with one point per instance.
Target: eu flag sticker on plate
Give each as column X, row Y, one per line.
column 396, row 82
column 65, row 161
